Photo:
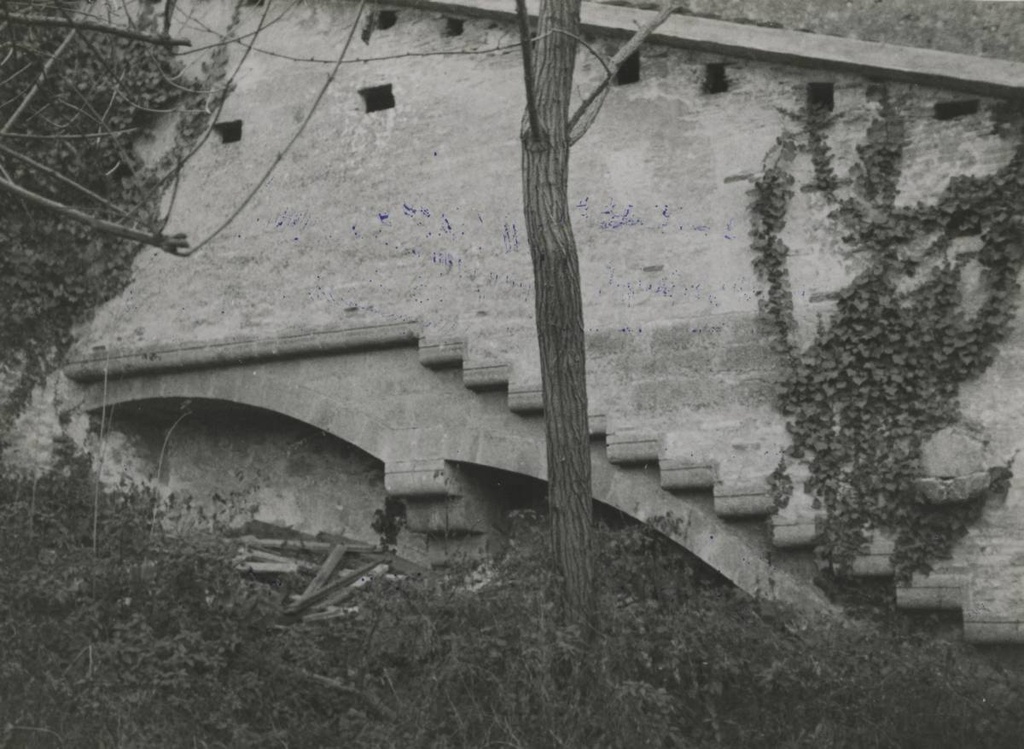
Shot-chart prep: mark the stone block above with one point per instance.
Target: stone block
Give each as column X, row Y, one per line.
column 461, row 514
column 418, row 479
column 994, row 633
column 526, row 400
column 795, row 532
column 952, row 452
column 484, row 377
column 598, row 424
column 959, row 489
column 443, row 354
column 876, row 558
column 939, row 590
column 631, row 448
column 685, row 474
column 743, row 500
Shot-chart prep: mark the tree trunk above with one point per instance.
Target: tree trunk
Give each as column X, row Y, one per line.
column 559, row 304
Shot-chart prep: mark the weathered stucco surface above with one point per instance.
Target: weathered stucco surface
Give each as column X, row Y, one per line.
column 414, row 213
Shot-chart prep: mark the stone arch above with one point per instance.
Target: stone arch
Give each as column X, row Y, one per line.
column 252, row 388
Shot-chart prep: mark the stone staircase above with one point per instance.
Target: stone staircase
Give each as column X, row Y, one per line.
column 711, row 475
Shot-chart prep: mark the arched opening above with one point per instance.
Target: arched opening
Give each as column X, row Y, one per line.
column 246, row 465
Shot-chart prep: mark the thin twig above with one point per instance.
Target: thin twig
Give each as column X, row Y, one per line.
column 69, row 136
column 578, row 126
column 295, row 137
column 168, row 244
column 531, row 96
column 40, row 79
column 102, row 28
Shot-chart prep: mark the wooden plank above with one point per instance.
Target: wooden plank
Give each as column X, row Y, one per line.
column 304, row 602
column 266, row 556
column 268, row 568
column 326, row 570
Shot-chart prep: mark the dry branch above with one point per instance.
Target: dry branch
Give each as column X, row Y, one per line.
column 324, row 573
column 585, row 115
column 102, row 28
column 169, row 244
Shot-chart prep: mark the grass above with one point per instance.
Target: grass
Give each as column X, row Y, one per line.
column 156, row 641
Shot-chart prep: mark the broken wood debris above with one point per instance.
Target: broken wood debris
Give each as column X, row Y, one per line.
column 341, row 569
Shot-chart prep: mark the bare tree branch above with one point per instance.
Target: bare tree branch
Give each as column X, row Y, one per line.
column 585, row 115
column 290, row 143
column 527, row 44
column 61, row 178
column 102, row 28
column 170, row 244
column 40, row 79
column 69, row 136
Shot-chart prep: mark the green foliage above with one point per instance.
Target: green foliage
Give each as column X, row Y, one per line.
column 772, row 194
column 885, row 372
column 54, row 270
column 157, row 641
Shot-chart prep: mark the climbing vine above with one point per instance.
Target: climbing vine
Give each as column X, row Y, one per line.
column 883, row 373
column 772, row 195
column 74, row 103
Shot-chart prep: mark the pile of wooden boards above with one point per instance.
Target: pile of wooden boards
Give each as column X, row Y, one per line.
column 342, row 573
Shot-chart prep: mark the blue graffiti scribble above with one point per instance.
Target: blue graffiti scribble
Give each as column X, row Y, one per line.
column 617, row 219
column 510, row 237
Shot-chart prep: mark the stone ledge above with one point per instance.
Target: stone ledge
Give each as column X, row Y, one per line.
column 632, row 448
column 526, row 400
column 115, row 363
column 795, row 532
column 994, row 633
column 939, row 590
column 972, row 75
column 685, row 474
column 442, row 354
column 875, row 560
column 417, row 478
column 939, row 491
column 483, row 377
column 743, row 500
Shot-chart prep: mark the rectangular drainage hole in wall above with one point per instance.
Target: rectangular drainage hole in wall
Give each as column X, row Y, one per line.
column 378, row 97
column 386, row 19
column 948, row 110
column 229, row 132
column 453, row 26
column 629, row 72
column 821, row 95
column 714, row 78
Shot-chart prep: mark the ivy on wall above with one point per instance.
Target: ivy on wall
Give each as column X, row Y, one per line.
column 883, row 373
column 98, row 96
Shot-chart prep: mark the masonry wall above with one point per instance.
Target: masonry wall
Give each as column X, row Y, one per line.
column 414, row 211
column 239, row 464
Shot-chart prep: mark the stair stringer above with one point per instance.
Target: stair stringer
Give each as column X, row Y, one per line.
column 382, row 402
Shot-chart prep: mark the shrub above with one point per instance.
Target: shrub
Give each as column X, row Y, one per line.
column 157, row 641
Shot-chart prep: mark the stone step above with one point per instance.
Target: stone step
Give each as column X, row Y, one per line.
column 442, row 354
column 482, row 377
column 688, row 474
column 743, row 499
column 994, row 605
column 944, row 588
column 796, row 531
column 634, row 447
column 875, row 560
